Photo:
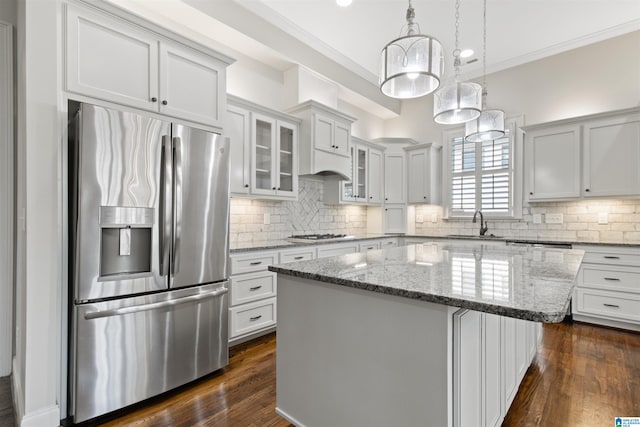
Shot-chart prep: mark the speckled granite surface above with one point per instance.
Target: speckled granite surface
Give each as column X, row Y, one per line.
column 284, row 244
column 515, row 281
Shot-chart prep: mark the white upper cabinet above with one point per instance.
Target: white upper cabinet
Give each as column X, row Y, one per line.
column 553, row 156
column 424, row 166
column 273, row 165
column 395, row 178
column 612, row 157
column 115, row 60
column 192, row 85
column 592, row 156
column 365, row 186
column 325, row 139
column 238, row 129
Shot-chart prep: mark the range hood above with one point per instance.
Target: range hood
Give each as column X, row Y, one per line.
column 324, row 140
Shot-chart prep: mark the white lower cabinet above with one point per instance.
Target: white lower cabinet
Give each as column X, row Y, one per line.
column 608, row 287
column 491, row 356
column 325, row 251
column 368, row 246
column 248, row 318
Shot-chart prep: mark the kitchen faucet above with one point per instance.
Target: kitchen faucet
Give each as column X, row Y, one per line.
column 484, row 227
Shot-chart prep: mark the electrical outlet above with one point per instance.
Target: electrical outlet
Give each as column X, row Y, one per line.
column 434, row 218
column 267, row 218
column 603, row 218
column 553, row 218
column 419, row 218
column 537, row 218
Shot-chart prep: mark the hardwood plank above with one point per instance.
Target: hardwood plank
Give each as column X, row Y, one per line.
column 583, row 375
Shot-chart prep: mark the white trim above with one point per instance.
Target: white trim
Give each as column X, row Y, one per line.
column 48, row 416
column 16, row 391
column 7, row 197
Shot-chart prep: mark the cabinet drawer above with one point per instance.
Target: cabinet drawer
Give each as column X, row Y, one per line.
column 297, row 255
column 248, row 263
column 252, row 287
column 612, row 258
column 252, row 317
column 327, row 251
column 617, row 305
column 368, row 246
column 388, row 243
column 619, row 279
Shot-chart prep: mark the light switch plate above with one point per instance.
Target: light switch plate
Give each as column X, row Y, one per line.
column 267, row 218
column 537, row 218
column 553, row 218
column 419, row 218
column 434, row 218
column 603, row 218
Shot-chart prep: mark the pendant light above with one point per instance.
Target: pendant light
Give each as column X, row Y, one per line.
column 457, row 102
column 490, row 124
column 411, row 65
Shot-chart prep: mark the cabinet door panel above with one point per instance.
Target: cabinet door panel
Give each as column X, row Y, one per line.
column 418, row 166
column 554, row 157
column 238, row 130
column 376, row 177
column 263, row 160
column 492, row 365
column 341, row 138
column 111, row 60
column 323, row 133
column 191, row 85
column 467, row 374
column 286, row 165
column 611, row 158
column 394, row 191
column 395, row 219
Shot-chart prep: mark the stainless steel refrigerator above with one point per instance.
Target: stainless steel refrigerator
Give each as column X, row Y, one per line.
column 149, row 209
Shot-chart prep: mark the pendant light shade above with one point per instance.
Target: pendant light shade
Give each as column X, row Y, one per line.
column 488, row 126
column 411, row 66
column 458, row 101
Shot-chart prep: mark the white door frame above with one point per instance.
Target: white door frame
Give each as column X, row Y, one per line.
column 6, row 198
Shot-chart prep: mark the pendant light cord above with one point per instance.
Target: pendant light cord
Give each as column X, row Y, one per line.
column 484, row 56
column 456, row 51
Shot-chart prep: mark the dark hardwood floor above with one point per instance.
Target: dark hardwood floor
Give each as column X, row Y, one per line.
column 582, row 376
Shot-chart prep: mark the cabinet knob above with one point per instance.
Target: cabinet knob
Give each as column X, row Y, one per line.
column 337, row 147
column 424, row 197
column 371, row 197
column 531, row 193
column 386, row 209
column 386, row 198
column 273, row 188
column 586, row 189
column 154, row 99
column 278, row 188
column 246, row 186
column 164, row 102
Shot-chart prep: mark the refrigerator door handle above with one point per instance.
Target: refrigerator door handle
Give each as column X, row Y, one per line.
column 155, row 305
column 166, row 185
column 177, row 203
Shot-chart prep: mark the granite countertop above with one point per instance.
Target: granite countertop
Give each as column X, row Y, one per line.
column 516, row 281
column 284, row 244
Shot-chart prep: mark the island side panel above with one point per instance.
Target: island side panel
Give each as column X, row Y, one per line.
column 349, row 357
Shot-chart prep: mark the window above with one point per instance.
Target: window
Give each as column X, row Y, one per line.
column 482, row 175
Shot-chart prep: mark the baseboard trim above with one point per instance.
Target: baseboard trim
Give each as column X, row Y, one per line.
column 289, row 418
column 49, row 416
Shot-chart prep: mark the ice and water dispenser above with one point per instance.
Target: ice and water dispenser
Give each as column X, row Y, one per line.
column 125, row 241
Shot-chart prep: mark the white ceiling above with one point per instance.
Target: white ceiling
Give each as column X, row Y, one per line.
column 344, row 44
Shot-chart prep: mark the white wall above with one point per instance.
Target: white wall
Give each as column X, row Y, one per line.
column 599, row 77
column 39, row 235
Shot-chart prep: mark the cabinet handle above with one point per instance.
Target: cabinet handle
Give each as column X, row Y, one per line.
column 255, row 288
column 611, row 305
column 611, row 257
column 246, row 186
column 298, row 257
column 614, row 279
column 154, row 99
column 254, row 318
column 164, row 102
column 255, row 263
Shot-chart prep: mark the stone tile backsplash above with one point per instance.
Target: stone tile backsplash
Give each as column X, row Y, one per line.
column 306, row 215
column 580, row 222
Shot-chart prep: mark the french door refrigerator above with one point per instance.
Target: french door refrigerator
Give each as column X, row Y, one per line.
column 149, row 209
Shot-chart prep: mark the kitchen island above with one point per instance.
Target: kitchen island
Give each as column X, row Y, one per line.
column 436, row 334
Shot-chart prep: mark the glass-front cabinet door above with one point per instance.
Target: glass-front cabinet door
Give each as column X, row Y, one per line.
column 286, row 184
column 348, row 192
column 361, row 174
column 263, row 163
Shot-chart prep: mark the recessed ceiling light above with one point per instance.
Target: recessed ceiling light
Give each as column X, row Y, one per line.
column 466, row 53
column 343, row 3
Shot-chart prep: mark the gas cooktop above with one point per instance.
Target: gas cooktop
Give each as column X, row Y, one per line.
column 308, row 238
